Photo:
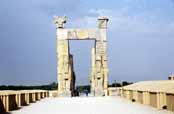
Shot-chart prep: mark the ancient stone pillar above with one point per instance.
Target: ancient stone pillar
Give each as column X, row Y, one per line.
column 127, row 92
column 39, row 95
column 18, row 100
column 101, row 68
column 146, row 97
column 65, row 63
column 42, row 95
column 63, row 68
column 27, row 99
column 92, row 74
column 161, row 100
column 33, row 97
column 47, row 94
column 6, row 102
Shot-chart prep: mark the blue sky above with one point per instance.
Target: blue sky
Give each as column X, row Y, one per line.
column 140, row 39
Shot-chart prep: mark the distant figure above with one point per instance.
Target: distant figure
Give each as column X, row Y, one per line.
column 86, row 92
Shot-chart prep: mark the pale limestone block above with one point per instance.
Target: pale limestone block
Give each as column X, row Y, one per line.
column 62, row 34
column 92, row 33
column 102, row 33
column 81, row 34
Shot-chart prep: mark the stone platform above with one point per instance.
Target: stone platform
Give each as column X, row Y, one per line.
column 88, row 105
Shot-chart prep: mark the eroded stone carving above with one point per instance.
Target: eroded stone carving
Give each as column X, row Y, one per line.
column 99, row 68
column 59, row 21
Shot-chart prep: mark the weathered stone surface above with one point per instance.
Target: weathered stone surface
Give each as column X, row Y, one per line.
column 99, row 68
column 102, row 22
column 77, row 34
column 12, row 100
column 59, row 21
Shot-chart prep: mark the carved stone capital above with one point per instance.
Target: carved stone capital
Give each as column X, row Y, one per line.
column 102, row 22
column 60, row 21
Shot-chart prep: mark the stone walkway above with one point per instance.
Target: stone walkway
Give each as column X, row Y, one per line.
column 87, row 105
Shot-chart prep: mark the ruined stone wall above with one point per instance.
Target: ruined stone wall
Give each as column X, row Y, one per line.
column 99, row 68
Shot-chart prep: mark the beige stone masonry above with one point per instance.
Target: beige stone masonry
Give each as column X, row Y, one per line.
column 11, row 100
column 158, row 94
column 99, row 67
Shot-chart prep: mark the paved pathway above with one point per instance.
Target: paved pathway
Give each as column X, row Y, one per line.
column 87, row 105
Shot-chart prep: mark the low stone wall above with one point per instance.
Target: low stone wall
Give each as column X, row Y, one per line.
column 12, row 100
column 53, row 93
column 160, row 100
column 170, row 101
column 112, row 91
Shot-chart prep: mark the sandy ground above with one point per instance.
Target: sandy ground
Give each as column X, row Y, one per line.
column 87, row 105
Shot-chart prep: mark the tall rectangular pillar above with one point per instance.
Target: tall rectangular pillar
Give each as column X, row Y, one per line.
column 18, row 100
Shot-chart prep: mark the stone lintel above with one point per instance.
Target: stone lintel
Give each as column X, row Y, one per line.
column 77, row 34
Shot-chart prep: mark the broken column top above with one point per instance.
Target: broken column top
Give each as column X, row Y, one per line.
column 103, row 18
column 60, row 21
column 102, row 22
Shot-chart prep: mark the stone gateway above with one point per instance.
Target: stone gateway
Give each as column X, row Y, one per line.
column 99, row 67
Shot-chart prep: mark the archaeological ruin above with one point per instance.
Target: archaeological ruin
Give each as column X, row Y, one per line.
column 158, row 94
column 99, row 68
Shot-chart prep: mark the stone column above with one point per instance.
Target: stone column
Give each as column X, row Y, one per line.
column 33, row 97
column 6, row 102
column 63, row 68
column 127, row 92
column 92, row 75
column 27, row 99
column 39, row 95
column 18, row 100
column 47, row 94
column 161, row 100
column 146, row 97
column 121, row 92
column 42, row 94
column 63, row 57
column 101, row 68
